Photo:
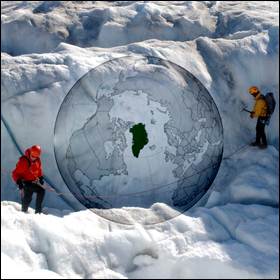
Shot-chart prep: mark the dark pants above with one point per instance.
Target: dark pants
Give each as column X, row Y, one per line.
column 260, row 133
column 29, row 189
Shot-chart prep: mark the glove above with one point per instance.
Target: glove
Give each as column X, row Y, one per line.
column 20, row 184
column 41, row 180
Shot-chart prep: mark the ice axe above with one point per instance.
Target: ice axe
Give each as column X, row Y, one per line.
column 45, row 186
column 245, row 109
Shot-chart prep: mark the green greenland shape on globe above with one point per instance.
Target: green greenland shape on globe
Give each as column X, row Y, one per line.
column 140, row 138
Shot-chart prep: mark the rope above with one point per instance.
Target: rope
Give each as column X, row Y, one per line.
column 47, row 187
column 237, row 151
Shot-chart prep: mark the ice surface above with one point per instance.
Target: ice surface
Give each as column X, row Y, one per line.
column 232, row 240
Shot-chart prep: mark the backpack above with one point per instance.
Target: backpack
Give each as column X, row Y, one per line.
column 271, row 103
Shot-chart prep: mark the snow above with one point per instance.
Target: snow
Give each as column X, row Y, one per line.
column 228, row 45
column 225, row 240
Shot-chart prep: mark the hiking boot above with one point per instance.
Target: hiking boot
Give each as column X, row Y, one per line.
column 263, row 146
column 255, row 144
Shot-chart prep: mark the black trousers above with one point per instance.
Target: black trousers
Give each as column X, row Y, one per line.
column 260, row 131
column 29, row 189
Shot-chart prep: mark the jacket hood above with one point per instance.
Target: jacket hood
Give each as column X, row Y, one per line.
column 28, row 152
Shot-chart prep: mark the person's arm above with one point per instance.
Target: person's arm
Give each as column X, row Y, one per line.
column 252, row 113
column 17, row 174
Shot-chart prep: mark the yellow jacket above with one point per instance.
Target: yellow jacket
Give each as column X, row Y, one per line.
column 260, row 108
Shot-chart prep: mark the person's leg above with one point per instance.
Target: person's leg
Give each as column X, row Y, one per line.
column 258, row 132
column 258, row 137
column 39, row 199
column 262, row 134
column 27, row 198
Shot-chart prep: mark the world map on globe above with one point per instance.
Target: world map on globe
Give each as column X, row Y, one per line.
column 135, row 131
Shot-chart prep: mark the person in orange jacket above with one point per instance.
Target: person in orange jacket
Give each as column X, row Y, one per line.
column 260, row 112
column 28, row 175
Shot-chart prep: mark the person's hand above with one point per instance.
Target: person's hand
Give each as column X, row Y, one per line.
column 41, row 180
column 251, row 115
column 20, row 184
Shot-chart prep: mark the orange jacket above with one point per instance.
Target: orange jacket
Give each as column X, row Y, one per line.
column 260, row 108
column 26, row 169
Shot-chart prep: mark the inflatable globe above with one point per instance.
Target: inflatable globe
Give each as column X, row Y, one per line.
column 137, row 131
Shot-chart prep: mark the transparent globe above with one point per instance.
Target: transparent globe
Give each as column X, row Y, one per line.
column 137, row 131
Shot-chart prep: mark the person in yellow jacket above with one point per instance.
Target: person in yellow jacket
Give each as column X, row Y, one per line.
column 260, row 112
